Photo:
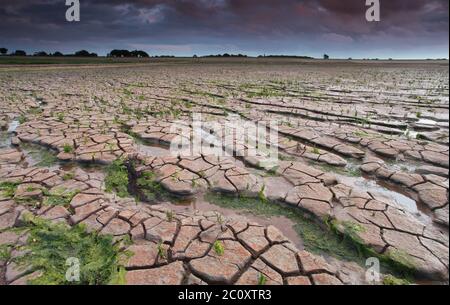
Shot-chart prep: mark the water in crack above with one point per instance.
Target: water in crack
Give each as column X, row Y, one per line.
column 153, row 150
column 5, row 137
column 376, row 188
column 13, row 126
column 282, row 223
column 426, row 122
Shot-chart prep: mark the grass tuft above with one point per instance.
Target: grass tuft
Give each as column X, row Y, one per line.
column 391, row 280
column 219, row 248
column 50, row 245
column 8, row 189
column 262, row 279
column 58, row 197
column 116, row 179
column 67, row 148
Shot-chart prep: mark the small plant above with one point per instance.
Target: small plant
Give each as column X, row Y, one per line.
column 60, row 117
column 315, row 150
column 202, row 174
column 35, row 111
column 418, row 114
column 5, row 252
column 194, row 183
column 219, row 218
column 175, row 176
column 127, row 92
column 111, row 147
column 162, row 252
column 30, row 189
column 219, row 248
column 68, row 176
column 169, row 216
column 261, row 194
column 262, row 279
column 21, row 119
column 67, row 148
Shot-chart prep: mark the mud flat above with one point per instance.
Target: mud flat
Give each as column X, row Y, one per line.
column 362, row 171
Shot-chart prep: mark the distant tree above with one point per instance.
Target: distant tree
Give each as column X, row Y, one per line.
column 350, row 58
column 20, row 53
column 41, row 53
column 226, row 55
column 195, row 56
column 3, row 51
column 326, row 56
column 119, row 53
column 84, row 53
column 58, row 54
column 125, row 53
column 140, row 54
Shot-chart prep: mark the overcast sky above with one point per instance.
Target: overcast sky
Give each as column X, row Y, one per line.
column 408, row 28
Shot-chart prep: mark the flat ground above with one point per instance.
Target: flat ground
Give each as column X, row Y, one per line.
column 362, row 171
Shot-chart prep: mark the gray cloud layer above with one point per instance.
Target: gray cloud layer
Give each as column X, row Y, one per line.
column 408, row 28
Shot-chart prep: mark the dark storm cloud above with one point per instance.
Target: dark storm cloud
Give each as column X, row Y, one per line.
column 410, row 28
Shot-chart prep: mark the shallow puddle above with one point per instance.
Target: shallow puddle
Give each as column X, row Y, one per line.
column 13, row 126
column 378, row 188
column 5, row 136
column 153, row 150
column 284, row 224
column 426, row 122
column 86, row 167
column 35, row 155
column 409, row 166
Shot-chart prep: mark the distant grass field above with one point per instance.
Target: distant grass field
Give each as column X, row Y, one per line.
column 50, row 61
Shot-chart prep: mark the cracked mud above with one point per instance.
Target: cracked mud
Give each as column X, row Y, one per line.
column 341, row 129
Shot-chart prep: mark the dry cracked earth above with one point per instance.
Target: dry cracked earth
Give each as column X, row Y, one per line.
column 363, row 157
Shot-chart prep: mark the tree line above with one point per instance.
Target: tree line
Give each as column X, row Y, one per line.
column 118, row 53
column 126, row 53
column 81, row 53
column 224, row 55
